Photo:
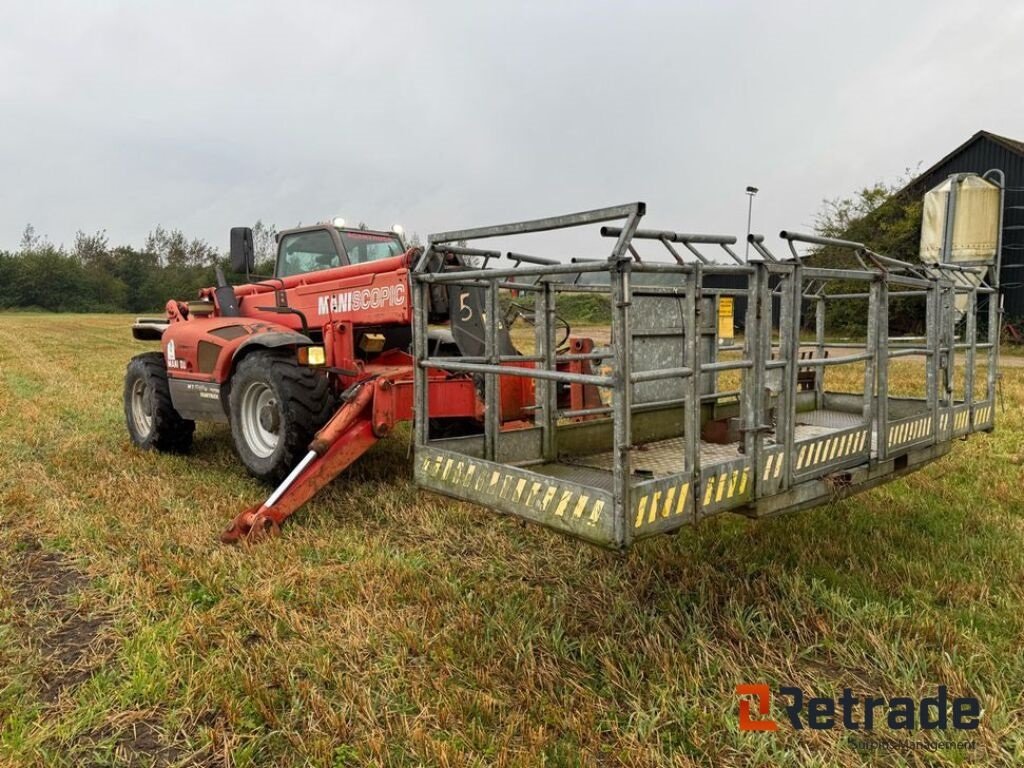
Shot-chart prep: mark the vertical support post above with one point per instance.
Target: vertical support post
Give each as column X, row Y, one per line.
column 764, row 354
column 547, row 391
column 622, row 397
column 709, row 308
column 932, row 360
column 691, row 430
column 945, row 256
column 971, row 338
column 995, row 324
column 872, row 364
column 948, row 322
column 420, row 350
column 789, row 349
column 492, row 383
column 882, row 402
column 752, row 403
column 995, row 308
column 819, row 337
column 995, row 271
column 786, row 397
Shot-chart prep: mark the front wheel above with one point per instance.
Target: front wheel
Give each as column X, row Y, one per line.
column 276, row 408
column 149, row 414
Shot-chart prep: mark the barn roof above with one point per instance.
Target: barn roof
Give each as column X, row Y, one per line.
column 1012, row 145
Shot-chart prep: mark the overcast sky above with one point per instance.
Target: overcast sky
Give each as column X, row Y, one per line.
column 204, row 115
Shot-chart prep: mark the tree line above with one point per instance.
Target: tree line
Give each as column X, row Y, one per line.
column 887, row 218
column 94, row 275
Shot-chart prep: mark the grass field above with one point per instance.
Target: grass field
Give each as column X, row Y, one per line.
column 389, row 626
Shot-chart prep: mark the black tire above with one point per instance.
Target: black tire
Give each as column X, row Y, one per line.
column 152, row 422
column 276, row 407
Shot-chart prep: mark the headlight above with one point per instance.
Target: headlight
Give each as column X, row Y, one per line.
column 312, row 356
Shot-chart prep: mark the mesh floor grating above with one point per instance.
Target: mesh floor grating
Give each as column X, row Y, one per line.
column 665, row 457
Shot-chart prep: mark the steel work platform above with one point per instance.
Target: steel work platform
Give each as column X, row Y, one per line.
column 665, row 445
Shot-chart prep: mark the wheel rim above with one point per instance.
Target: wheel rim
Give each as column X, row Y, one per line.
column 260, row 419
column 142, row 408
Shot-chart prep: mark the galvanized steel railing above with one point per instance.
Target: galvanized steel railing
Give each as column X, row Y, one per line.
column 777, row 467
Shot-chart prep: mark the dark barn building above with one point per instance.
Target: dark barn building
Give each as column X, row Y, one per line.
column 982, row 152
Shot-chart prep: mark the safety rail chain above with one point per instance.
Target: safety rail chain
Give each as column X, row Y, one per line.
column 581, row 471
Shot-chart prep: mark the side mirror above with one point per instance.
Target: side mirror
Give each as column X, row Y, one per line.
column 243, row 255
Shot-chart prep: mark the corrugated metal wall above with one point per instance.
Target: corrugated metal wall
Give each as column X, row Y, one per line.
column 977, row 157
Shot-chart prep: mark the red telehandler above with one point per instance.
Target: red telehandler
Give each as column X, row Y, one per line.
column 673, row 418
column 312, row 366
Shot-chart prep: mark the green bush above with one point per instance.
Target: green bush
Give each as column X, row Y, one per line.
column 584, row 308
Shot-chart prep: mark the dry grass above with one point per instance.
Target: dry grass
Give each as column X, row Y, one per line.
column 392, row 626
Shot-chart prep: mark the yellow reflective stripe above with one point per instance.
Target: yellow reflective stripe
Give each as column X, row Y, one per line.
column 654, row 506
column 684, row 491
column 667, row 509
column 563, row 503
column 640, row 511
column 532, row 495
column 548, row 495
column 519, row 490
column 580, row 505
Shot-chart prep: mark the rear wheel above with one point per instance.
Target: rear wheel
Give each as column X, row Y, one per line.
column 149, row 414
column 276, row 408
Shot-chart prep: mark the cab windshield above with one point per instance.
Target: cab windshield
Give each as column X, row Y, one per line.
column 369, row 246
column 303, row 252
column 311, row 251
